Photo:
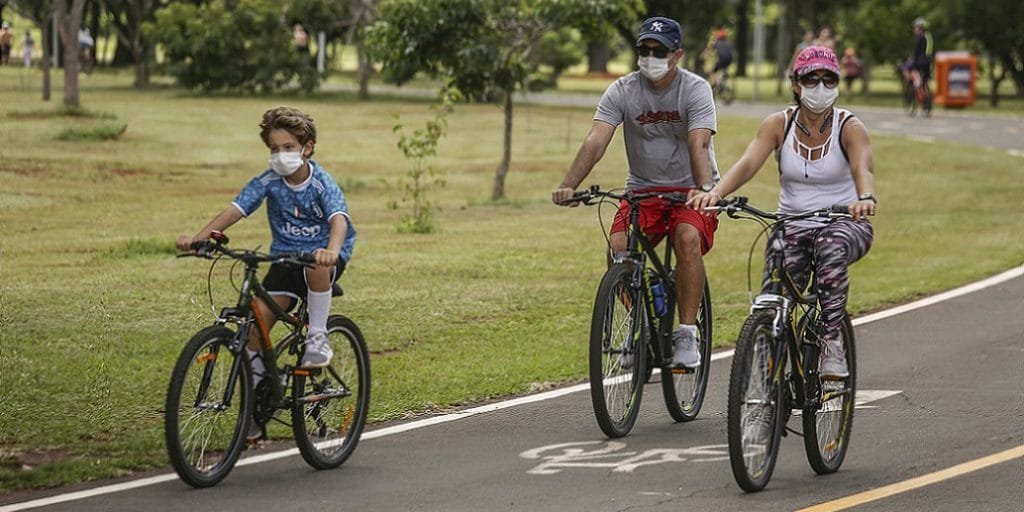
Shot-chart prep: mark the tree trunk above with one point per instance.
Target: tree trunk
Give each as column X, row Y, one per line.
column 598, row 55
column 47, row 58
column 69, row 23
column 742, row 36
column 996, row 80
column 364, row 71
column 506, row 156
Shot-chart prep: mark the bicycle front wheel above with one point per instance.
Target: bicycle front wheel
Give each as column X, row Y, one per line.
column 757, row 398
column 684, row 388
column 330, row 404
column 827, row 428
column 208, row 408
column 618, row 347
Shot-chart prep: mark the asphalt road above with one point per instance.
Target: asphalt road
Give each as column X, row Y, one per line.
column 945, row 384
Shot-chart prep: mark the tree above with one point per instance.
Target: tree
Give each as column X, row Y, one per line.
column 237, row 45
column 40, row 12
column 487, row 49
column 127, row 18
column 997, row 26
column 69, row 22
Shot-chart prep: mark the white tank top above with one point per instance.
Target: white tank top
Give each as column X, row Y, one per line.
column 813, row 178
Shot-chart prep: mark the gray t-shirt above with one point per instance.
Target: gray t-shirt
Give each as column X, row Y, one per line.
column 656, row 124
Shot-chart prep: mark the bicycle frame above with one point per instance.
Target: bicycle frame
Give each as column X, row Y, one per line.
column 640, row 251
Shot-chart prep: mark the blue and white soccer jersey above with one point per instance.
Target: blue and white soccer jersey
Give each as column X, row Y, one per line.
column 299, row 215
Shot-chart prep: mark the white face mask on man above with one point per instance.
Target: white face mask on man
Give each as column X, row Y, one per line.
column 285, row 163
column 652, row 67
column 818, row 98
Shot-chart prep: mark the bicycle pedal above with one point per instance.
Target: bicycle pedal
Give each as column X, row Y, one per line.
column 681, row 370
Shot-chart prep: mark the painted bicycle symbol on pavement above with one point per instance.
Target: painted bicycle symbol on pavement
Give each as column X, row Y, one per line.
column 612, row 455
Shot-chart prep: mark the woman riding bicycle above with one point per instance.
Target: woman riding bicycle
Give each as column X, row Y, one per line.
column 824, row 161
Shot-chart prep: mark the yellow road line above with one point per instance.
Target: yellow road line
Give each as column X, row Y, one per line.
column 914, row 483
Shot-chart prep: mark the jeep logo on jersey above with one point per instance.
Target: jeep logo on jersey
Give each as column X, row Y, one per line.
column 310, row 232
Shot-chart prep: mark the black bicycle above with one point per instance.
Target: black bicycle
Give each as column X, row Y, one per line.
column 631, row 330
column 783, row 329
column 211, row 402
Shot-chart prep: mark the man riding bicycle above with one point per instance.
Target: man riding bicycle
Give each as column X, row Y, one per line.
column 921, row 59
column 668, row 117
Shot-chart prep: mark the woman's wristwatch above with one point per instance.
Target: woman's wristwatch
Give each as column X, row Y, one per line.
column 869, row 196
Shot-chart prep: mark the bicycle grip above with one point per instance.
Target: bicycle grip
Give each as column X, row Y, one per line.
column 841, row 209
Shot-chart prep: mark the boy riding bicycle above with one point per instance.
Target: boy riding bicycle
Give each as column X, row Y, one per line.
column 307, row 212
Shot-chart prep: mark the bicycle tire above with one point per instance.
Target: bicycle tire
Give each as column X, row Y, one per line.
column 330, row 404
column 827, row 429
column 755, row 417
column 684, row 391
column 204, row 429
column 727, row 94
column 618, row 328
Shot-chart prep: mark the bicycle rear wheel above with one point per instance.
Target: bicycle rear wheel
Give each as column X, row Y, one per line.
column 684, row 388
column 757, row 401
column 330, row 404
column 827, row 428
column 618, row 344
column 208, row 408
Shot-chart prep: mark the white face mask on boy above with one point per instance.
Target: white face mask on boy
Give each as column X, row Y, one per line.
column 284, row 163
column 818, row 98
column 652, row 67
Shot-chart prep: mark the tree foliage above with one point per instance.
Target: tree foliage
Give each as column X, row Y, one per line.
column 247, row 47
column 487, row 49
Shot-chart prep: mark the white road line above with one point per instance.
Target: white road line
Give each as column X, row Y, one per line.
column 497, row 406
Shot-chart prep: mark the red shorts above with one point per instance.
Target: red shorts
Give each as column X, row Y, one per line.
column 659, row 218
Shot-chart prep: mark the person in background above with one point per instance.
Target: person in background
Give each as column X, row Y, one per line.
column 668, row 118
column 921, row 58
column 6, row 40
column 824, row 158
column 723, row 53
column 852, row 69
column 27, row 46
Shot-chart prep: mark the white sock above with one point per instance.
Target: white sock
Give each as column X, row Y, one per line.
column 319, row 307
column 690, row 329
column 256, row 362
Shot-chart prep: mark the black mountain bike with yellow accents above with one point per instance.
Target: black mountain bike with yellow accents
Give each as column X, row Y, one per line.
column 631, row 329
column 775, row 368
column 212, row 404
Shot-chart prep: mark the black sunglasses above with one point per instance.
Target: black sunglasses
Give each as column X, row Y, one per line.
column 659, row 51
column 810, row 80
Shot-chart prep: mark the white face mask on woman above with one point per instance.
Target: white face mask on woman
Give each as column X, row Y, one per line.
column 652, row 67
column 818, row 98
column 285, row 164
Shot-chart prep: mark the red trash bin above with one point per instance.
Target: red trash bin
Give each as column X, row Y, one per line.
column 955, row 77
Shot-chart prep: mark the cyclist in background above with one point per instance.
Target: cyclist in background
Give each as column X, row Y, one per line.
column 723, row 53
column 824, row 159
column 921, row 59
column 668, row 117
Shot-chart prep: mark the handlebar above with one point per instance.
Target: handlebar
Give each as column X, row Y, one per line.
column 217, row 245
column 594, row 195
column 736, row 205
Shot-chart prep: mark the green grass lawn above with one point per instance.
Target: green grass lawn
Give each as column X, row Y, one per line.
column 94, row 307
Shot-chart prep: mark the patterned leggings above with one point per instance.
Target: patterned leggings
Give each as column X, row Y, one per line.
column 830, row 249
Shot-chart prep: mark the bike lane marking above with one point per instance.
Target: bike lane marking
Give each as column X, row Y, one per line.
column 907, row 485
column 426, row 422
column 573, row 455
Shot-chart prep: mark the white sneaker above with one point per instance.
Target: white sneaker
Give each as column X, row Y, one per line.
column 833, row 360
column 317, row 353
column 687, row 351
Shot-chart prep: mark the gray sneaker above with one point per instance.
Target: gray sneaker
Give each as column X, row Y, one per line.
column 687, row 349
column 317, row 353
column 833, row 360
